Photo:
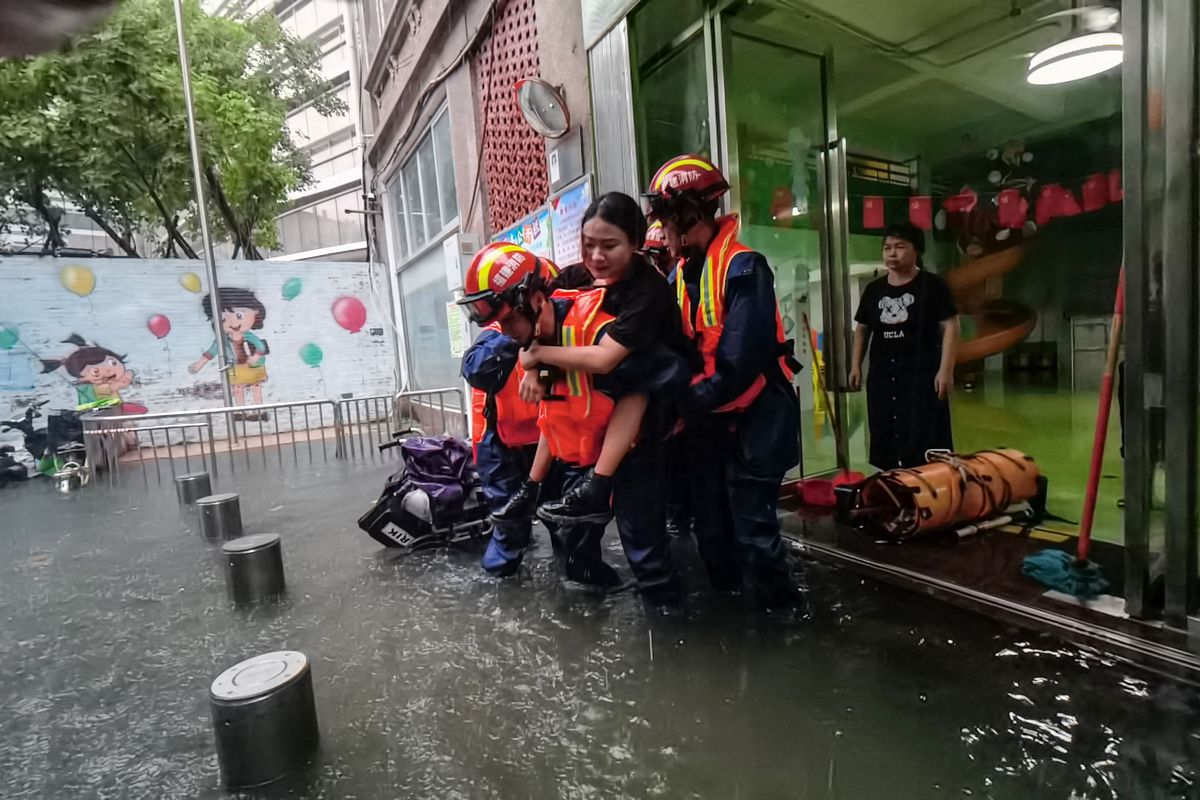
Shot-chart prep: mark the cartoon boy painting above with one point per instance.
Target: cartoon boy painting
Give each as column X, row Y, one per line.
column 100, row 373
column 241, row 314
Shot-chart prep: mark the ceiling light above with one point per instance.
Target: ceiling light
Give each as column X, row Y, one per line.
column 1076, row 58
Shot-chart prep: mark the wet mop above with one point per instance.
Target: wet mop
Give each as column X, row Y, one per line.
column 1057, row 569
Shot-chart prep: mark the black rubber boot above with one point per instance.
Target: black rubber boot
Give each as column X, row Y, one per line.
column 521, row 505
column 590, row 500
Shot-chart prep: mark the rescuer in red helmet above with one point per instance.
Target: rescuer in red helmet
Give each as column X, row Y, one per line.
column 504, row 428
column 742, row 416
column 656, row 249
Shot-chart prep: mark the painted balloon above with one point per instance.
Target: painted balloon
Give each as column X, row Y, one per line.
column 291, row 288
column 190, row 281
column 311, row 354
column 9, row 338
column 350, row 313
column 78, row 280
column 159, row 325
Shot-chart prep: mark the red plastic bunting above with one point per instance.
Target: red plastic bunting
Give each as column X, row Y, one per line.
column 1013, row 209
column 963, row 202
column 872, row 212
column 1115, row 192
column 920, row 211
column 1095, row 192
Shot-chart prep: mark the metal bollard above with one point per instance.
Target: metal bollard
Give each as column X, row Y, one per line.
column 264, row 717
column 220, row 516
column 191, row 487
column 254, row 568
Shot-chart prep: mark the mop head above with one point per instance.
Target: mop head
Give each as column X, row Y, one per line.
column 1061, row 571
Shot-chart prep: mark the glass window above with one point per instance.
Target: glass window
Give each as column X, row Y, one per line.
column 350, row 224
column 426, row 331
column 673, row 107
column 413, row 206
column 429, row 187
column 423, row 192
column 327, row 222
column 444, row 154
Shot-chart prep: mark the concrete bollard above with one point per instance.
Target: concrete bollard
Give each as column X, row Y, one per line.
column 254, row 568
column 220, row 516
column 264, row 717
column 191, row 487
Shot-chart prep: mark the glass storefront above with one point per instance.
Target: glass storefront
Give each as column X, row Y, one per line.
column 834, row 120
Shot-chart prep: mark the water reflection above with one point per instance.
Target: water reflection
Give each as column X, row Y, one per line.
column 435, row 681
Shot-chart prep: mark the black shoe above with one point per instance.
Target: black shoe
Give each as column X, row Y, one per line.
column 589, row 501
column 520, row 506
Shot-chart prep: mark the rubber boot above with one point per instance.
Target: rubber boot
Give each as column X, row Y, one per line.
column 590, row 500
column 521, row 505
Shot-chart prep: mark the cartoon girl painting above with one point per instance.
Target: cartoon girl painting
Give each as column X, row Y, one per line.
column 100, row 373
column 241, row 314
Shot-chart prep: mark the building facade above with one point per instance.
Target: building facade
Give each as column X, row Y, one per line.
column 323, row 221
column 451, row 163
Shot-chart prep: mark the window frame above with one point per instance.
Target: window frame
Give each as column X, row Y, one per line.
column 403, row 247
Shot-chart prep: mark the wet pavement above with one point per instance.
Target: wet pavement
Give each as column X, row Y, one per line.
column 433, row 681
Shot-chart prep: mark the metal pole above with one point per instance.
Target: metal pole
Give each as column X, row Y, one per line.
column 210, row 262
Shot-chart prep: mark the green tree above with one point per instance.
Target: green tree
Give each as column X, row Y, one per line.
column 103, row 126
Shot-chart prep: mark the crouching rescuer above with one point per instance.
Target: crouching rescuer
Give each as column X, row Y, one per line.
column 504, row 427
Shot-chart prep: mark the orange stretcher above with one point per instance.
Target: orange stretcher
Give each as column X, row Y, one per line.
column 952, row 490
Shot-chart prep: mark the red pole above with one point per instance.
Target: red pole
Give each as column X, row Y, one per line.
column 1106, row 392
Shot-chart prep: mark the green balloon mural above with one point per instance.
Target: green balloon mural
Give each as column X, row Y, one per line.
column 291, row 288
column 311, row 354
column 8, row 338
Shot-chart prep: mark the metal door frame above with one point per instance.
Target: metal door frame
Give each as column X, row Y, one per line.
column 833, row 223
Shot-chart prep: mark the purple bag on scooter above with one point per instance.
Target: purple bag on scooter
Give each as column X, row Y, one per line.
column 440, row 466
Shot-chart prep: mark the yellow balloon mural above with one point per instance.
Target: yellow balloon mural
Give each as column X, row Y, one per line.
column 190, row 281
column 78, row 280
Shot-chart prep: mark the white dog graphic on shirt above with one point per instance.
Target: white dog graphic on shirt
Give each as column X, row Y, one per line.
column 894, row 310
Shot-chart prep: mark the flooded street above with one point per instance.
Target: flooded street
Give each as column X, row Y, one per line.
column 433, row 681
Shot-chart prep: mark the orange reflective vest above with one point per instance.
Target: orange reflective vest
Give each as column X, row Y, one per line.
column 516, row 420
column 575, row 418
column 707, row 323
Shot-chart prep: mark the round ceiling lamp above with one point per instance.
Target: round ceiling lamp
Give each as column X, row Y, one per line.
column 1090, row 50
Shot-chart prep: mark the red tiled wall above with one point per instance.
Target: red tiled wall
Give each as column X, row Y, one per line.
column 514, row 156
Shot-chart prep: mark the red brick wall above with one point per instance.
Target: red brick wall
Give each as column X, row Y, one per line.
column 514, row 156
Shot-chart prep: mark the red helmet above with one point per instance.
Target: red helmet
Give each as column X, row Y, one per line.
column 499, row 280
column 683, row 186
column 656, row 238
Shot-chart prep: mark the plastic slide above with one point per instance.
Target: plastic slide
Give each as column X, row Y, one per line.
column 999, row 323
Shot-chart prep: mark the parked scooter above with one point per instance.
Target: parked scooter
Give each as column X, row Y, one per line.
column 57, row 449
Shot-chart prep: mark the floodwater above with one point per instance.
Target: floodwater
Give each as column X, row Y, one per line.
column 433, row 681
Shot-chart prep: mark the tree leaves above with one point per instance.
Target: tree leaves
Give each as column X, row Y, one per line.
column 103, row 126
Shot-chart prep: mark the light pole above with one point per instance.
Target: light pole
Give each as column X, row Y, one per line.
column 210, row 262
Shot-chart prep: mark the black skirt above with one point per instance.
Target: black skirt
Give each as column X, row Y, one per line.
column 904, row 414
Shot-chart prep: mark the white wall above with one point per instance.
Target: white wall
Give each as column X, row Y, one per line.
column 35, row 304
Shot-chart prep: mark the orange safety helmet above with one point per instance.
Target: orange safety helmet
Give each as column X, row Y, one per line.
column 683, row 187
column 500, row 279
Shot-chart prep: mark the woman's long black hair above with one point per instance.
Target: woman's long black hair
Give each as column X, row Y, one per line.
column 231, row 298
column 622, row 211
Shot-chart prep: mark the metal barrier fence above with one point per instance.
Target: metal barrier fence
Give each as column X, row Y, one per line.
column 165, row 444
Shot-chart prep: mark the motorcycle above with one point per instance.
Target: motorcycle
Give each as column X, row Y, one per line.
column 57, row 449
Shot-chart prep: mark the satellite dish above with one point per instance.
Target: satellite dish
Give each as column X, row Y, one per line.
column 543, row 107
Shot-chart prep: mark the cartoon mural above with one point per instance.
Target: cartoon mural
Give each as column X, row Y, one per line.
column 241, row 314
column 102, row 331
column 100, row 375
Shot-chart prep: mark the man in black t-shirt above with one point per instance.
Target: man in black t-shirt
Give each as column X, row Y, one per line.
column 910, row 320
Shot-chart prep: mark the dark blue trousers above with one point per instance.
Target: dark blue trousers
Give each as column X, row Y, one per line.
column 736, row 463
column 502, row 470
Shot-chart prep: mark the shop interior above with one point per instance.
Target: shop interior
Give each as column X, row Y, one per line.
column 1018, row 186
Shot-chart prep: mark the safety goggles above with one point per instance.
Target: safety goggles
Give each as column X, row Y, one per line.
column 482, row 308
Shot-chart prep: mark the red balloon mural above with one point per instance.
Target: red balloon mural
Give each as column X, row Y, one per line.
column 159, row 325
column 350, row 313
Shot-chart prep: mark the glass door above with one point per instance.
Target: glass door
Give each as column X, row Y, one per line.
column 784, row 162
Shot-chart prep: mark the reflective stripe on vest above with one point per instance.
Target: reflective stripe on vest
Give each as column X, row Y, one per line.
column 709, row 321
column 516, row 420
column 574, row 426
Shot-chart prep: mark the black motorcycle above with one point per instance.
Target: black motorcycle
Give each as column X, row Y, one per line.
column 54, row 447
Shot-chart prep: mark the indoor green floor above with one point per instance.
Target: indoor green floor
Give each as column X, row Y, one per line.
column 1055, row 427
